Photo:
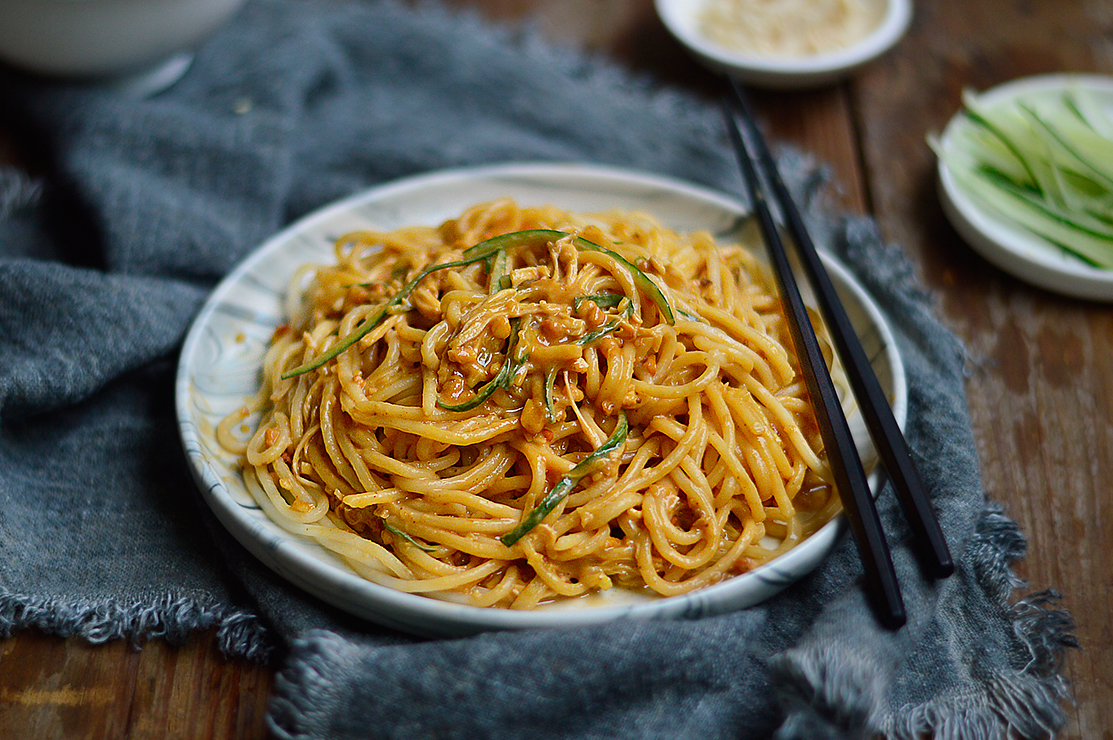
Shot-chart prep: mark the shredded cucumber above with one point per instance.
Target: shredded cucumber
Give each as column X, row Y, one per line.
column 1043, row 161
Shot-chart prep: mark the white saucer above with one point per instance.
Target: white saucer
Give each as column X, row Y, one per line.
column 682, row 18
column 1009, row 246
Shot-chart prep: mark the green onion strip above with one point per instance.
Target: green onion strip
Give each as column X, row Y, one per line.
column 368, row 324
column 532, row 236
column 501, row 380
column 565, row 485
column 399, row 533
column 550, row 381
column 607, row 328
column 487, row 250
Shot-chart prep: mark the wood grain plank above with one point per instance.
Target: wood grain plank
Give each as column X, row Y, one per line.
column 51, row 690
column 817, row 121
column 1040, row 389
column 821, row 123
column 56, row 688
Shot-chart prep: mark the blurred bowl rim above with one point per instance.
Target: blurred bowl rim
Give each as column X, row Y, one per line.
column 98, row 40
column 680, row 17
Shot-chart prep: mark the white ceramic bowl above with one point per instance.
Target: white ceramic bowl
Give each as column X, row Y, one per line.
column 1011, row 247
column 220, row 367
column 682, row 18
column 105, row 38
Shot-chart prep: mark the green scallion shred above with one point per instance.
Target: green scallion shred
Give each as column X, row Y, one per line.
column 499, row 271
column 501, row 380
column 607, row 328
column 690, row 316
column 482, row 251
column 399, row 533
column 565, row 485
column 533, row 236
column 602, row 300
column 550, row 380
column 371, row 322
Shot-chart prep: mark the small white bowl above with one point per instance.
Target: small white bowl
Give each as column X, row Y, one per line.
column 682, row 18
column 107, row 40
column 1009, row 246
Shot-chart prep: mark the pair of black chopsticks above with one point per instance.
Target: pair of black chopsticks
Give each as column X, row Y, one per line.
column 850, row 478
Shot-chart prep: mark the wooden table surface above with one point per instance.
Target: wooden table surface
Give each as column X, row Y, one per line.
column 1040, row 377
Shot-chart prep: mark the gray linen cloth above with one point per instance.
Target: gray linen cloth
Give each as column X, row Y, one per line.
column 137, row 207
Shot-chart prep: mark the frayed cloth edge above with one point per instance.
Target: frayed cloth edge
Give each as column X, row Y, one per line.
column 826, row 700
column 1023, row 704
column 239, row 633
column 1027, row 704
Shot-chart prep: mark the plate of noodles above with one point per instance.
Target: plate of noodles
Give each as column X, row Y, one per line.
column 517, row 396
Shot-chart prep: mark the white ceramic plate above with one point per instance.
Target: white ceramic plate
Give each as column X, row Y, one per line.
column 1007, row 245
column 221, row 360
column 682, row 18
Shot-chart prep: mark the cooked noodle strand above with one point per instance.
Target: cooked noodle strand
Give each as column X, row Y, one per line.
column 524, row 405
